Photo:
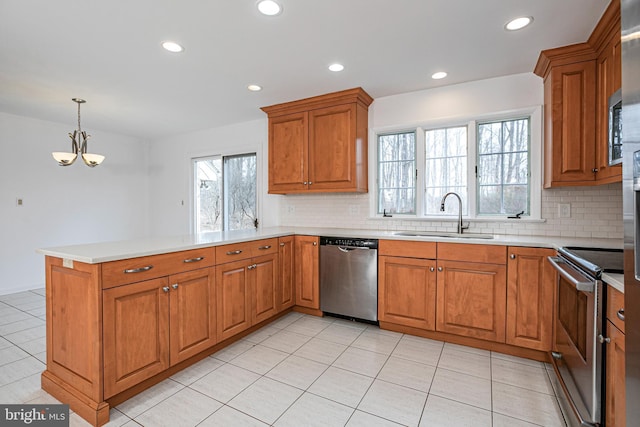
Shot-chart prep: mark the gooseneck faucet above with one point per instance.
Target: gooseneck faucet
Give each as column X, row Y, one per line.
column 460, row 226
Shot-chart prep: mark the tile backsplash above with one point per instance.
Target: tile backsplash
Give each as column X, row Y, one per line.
column 596, row 212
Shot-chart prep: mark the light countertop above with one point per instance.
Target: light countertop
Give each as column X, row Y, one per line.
column 615, row 280
column 95, row 253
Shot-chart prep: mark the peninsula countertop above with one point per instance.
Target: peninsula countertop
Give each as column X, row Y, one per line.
column 95, row 253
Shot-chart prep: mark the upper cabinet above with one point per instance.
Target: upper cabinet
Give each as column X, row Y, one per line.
column 578, row 82
column 319, row 144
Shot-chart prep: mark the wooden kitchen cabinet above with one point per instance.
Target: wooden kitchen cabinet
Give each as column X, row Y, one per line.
column 154, row 324
column 319, row 144
column 246, row 288
column 307, row 272
column 135, row 333
column 407, row 283
column 530, row 298
column 471, row 290
column 285, row 289
column 615, row 395
column 578, row 80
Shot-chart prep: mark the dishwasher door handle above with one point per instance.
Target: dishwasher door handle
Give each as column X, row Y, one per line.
column 347, row 249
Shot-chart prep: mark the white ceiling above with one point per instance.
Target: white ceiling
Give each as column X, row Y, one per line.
column 108, row 52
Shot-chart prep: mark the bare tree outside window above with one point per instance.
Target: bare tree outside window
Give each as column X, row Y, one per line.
column 503, row 167
column 225, row 193
column 445, row 169
column 396, row 173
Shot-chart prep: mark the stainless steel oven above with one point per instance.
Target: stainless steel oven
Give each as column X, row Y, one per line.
column 577, row 353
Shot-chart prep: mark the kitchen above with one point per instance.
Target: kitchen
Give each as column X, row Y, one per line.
column 154, row 180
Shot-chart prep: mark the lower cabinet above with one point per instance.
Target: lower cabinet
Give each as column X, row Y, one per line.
column 246, row 293
column 530, row 298
column 151, row 325
column 615, row 395
column 407, row 291
column 307, row 271
column 471, row 299
column 285, row 289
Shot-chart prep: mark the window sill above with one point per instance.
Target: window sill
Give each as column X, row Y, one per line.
column 506, row 220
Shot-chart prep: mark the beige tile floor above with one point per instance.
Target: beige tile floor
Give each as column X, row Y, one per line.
column 306, row 371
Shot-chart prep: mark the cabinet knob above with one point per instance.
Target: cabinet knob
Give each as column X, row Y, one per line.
column 315, row 243
column 431, row 269
column 165, row 288
column 620, row 314
column 603, row 340
column 439, row 268
column 174, row 286
column 595, row 170
column 305, row 183
column 310, row 182
column 512, row 256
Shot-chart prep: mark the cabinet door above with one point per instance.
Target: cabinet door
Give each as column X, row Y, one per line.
column 570, row 96
column 285, row 289
column 233, row 298
column 307, row 271
column 609, row 80
column 192, row 313
column 530, row 293
column 332, row 148
column 288, row 153
column 135, row 333
column 472, row 299
column 407, row 291
column 264, row 278
column 615, row 405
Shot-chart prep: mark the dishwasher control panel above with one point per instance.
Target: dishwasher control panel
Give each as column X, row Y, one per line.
column 347, row 241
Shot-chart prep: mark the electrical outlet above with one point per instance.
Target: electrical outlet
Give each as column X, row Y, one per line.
column 354, row 209
column 564, row 210
column 19, row 202
column 291, row 209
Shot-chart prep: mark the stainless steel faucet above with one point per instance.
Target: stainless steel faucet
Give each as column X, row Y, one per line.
column 460, row 226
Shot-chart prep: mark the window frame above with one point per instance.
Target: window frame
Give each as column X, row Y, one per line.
column 534, row 114
column 377, row 169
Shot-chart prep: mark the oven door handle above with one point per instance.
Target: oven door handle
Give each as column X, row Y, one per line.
column 572, row 275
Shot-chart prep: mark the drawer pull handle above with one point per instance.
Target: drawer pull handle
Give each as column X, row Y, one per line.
column 620, row 314
column 281, row 244
column 139, row 270
column 265, row 247
column 165, row 288
column 200, row 258
column 238, row 252
column 174, row 286
column 603, row 339
column 252, row 266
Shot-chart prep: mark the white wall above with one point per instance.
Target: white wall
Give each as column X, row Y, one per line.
column 595, row 211
column 63, row 205
column 170, row 172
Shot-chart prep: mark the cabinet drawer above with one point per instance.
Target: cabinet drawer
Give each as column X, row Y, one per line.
column 244, row 250
column 490, row 254
column 615, row 305
column 407, row 248
column 116, row 273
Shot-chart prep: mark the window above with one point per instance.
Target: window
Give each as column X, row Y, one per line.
column 225, row 193
column 396, row 173
column 445, row 167
column 488, row 163
column 503, row 167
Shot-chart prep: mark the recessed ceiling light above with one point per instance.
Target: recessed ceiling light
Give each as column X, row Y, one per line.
column 172, row 46
column 269, row 7
column 254, row 88
column 439, row 75
column 336, row 67
column 518, row 23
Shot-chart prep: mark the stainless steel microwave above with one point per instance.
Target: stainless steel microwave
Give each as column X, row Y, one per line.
column 615, row 128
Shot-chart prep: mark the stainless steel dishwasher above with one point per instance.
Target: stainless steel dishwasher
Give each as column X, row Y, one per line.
column 349, row 277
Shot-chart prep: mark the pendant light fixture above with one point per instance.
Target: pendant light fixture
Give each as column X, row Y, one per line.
column 78, row 145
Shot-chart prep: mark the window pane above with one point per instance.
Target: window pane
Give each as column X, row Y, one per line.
column 240, row 191
column 396, row 173
column 445, row 169
column 503, row 167
column 208, row 198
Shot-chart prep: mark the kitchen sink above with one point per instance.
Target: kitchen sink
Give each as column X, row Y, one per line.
column 443, row 234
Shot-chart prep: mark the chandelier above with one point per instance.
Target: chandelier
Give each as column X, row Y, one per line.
column 78, row 145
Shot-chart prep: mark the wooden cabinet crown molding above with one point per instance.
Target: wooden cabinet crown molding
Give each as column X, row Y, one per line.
column 355, row 95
